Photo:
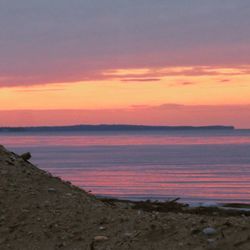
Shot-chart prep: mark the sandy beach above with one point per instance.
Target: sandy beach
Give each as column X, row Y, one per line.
column 42, row 212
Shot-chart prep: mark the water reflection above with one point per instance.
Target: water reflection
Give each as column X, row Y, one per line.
column 192, row 166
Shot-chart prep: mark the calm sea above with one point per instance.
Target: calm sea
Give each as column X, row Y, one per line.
column 196, row 166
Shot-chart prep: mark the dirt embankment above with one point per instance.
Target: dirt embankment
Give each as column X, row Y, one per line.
column 38, row 211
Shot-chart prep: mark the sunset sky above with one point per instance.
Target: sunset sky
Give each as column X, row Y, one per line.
column 161, row 62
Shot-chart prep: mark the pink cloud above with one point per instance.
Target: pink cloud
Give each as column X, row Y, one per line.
column 88, row 74
column 141, row 80
column 187, row 83
column 39, row 90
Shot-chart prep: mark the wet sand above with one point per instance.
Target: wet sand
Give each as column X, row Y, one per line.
column 39, row 211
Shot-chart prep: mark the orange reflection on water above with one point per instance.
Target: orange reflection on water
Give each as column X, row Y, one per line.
column 158, row 165
column 120, row 183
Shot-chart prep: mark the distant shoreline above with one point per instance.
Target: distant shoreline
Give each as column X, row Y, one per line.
column 112, row 128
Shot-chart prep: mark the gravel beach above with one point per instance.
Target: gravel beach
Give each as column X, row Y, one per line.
column 42, row 212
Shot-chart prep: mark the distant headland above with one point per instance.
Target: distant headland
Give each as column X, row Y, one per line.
column 106, row 127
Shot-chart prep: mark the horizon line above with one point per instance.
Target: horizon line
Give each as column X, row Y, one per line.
column 115, row 127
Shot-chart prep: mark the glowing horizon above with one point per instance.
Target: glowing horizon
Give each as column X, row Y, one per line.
column 136, row 89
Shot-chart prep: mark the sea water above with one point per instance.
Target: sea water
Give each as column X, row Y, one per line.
column 196, row 166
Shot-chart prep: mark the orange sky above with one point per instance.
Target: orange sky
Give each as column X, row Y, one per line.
column 136, row 96
column 125, row 88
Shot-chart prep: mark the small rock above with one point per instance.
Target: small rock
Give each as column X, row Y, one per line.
column 195, row 231
column 26, row 156
column 139, row 212
column 69, row 194
column 25, row 210
column 101, row 238
column 13, row 157
column 128, row 235
column 202, row 221
column 51, row 190
column 209, row 231
column 228, row 223
column 102, row 228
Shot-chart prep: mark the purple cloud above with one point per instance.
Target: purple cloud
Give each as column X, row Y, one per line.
column 43, row 41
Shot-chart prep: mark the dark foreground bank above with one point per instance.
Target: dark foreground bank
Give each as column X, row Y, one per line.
column 38, row 211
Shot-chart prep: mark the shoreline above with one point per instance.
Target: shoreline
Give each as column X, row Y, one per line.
column 198, row 203
column 232, row 209
column 39, row 211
